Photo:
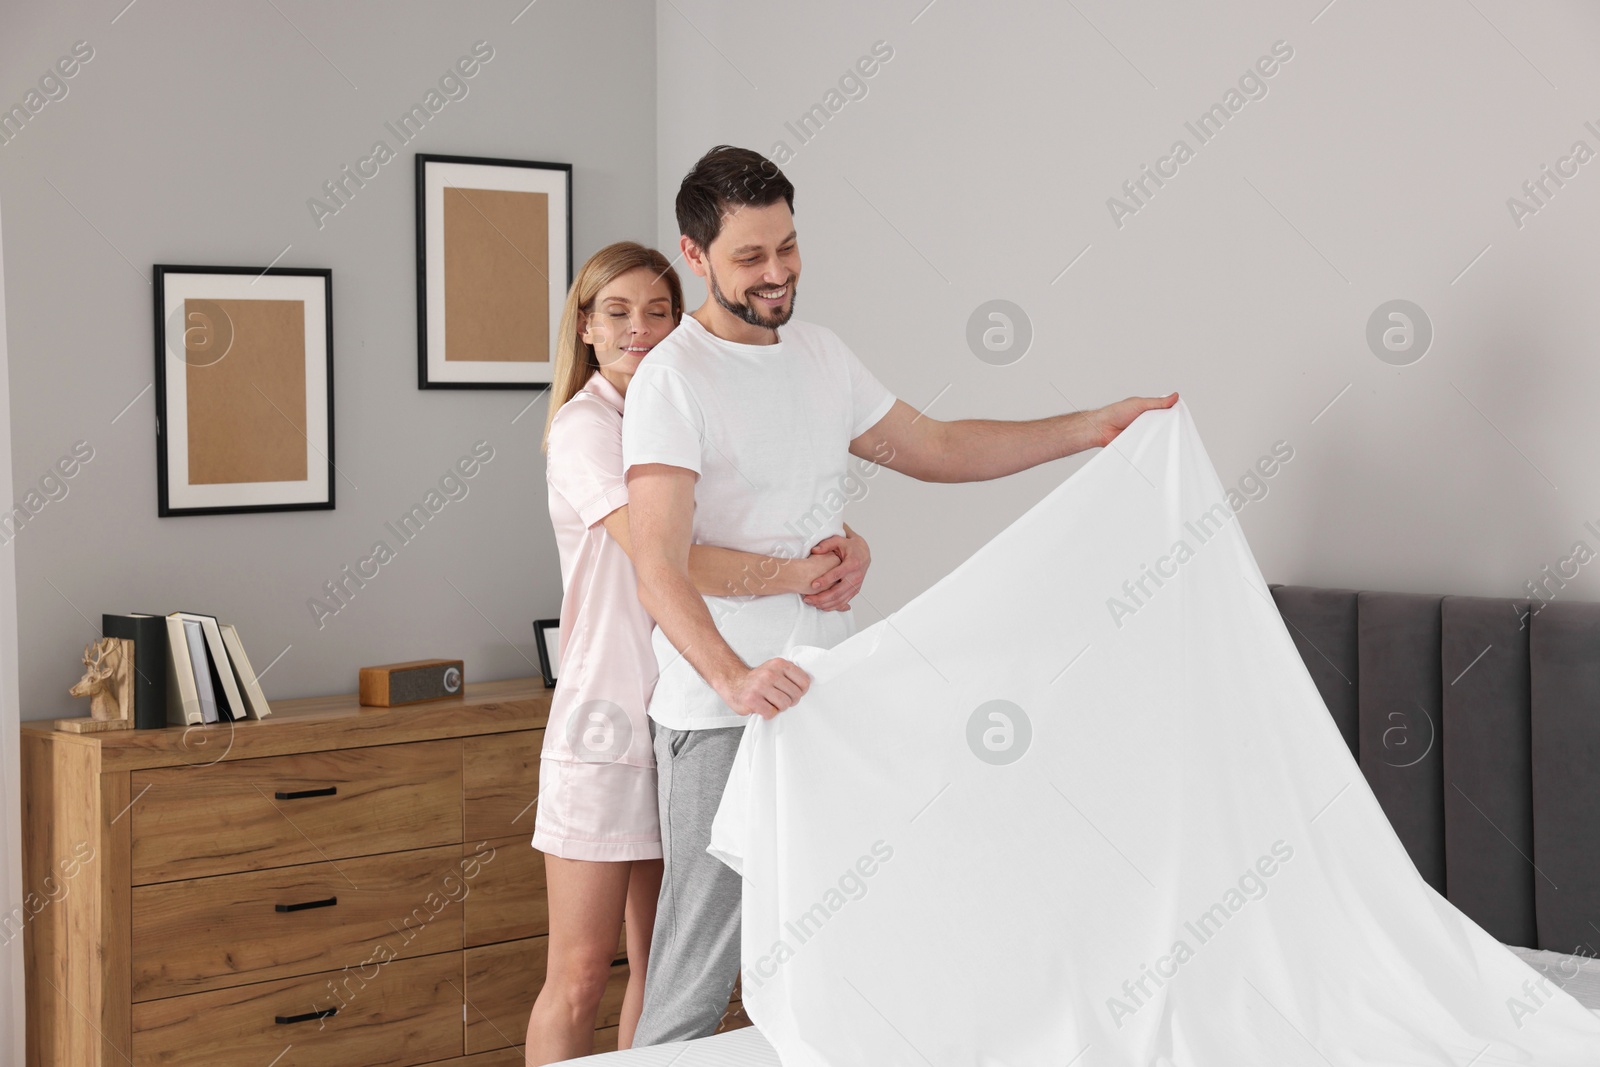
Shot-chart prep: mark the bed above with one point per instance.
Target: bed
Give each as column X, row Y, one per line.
column 1476, row 721
column 746, row 1048
column 736, row 1048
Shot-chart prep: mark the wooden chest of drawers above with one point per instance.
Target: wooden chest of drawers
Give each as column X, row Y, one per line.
column 334, row 885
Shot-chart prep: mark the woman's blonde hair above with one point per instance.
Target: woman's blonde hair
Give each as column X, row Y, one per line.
column 575, row 359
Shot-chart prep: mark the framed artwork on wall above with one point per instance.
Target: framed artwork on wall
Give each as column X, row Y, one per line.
column 494, row 260
column 244, row 389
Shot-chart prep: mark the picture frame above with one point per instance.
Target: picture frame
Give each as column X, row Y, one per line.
column 547, row 638
column 244, row 389
column 494, row 261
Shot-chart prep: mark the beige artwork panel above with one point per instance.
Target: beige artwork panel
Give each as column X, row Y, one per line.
column 496, row 291
column 247, row 411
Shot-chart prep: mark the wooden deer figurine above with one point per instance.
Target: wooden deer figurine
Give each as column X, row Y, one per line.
column 108, row 683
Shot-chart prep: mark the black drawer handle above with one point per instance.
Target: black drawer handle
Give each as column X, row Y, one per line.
column 325, row 1013
column 332, row 790
column 330, row 902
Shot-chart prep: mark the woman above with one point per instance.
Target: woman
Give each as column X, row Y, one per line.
column 597, row 820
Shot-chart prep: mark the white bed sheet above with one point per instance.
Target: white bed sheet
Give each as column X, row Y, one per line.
column 930, row 882
column 747, row 1048
column 1082, row 800
column 737, row 1048
column 1577, row 975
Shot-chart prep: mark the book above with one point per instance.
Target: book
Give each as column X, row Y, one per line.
column 149, row 636
column 230, row 702
column 183, row 697
column 200, row 665
column 254, row 697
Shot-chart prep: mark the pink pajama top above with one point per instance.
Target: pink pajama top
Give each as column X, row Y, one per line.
column 608, row 668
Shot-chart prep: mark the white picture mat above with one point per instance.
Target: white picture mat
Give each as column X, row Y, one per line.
column 436, row 176
column 552, row 647
column 311, row 289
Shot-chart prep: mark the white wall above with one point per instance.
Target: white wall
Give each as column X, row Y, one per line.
column 196, row 134
column 1377, row 166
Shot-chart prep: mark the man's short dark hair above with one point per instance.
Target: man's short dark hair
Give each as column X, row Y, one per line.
column 727, row 178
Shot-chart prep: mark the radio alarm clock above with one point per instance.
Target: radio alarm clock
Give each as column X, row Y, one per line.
column 394, row 684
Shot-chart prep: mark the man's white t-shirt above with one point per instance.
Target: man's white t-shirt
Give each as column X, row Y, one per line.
column 768, row 429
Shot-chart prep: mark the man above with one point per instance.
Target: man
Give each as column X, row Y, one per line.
column 739, row 424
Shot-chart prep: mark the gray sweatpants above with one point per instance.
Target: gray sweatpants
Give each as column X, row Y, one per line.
column 694, row 951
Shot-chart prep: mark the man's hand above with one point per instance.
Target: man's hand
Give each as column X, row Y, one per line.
column 765, row 690
column 835, row 588
column 975, row 450
column 1114, row 418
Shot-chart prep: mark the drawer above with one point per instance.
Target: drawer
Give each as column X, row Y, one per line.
column 207, row 933
column 610, row 1011
column 246, row 815
column 502, row 784
column 507, row 900
column 387, row 1014
column 502, row 982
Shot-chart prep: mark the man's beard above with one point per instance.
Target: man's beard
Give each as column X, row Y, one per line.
column 752, row 315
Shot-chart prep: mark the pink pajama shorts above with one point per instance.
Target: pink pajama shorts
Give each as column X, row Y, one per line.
column 597, row 811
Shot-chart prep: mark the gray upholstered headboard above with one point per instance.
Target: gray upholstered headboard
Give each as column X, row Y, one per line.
column 1477, row 724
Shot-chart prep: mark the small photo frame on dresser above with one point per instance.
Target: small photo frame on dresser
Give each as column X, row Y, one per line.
column 244, row 389
column 547, row 637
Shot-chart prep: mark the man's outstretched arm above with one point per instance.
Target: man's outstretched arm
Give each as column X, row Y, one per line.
column 975, row 450
column 661, row 526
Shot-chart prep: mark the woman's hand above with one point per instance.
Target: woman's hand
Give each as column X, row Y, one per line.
column 803, row 573
column 838, row 585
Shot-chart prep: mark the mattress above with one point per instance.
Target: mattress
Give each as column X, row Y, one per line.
column 736, row 1048
column 1578, row 975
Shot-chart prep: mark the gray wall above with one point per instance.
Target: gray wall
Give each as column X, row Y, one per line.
column 977, row 166
column 1377, row 166
column 12, row 992
column 196, row 134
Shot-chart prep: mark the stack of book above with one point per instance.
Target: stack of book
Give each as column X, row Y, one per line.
column 190, row 669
